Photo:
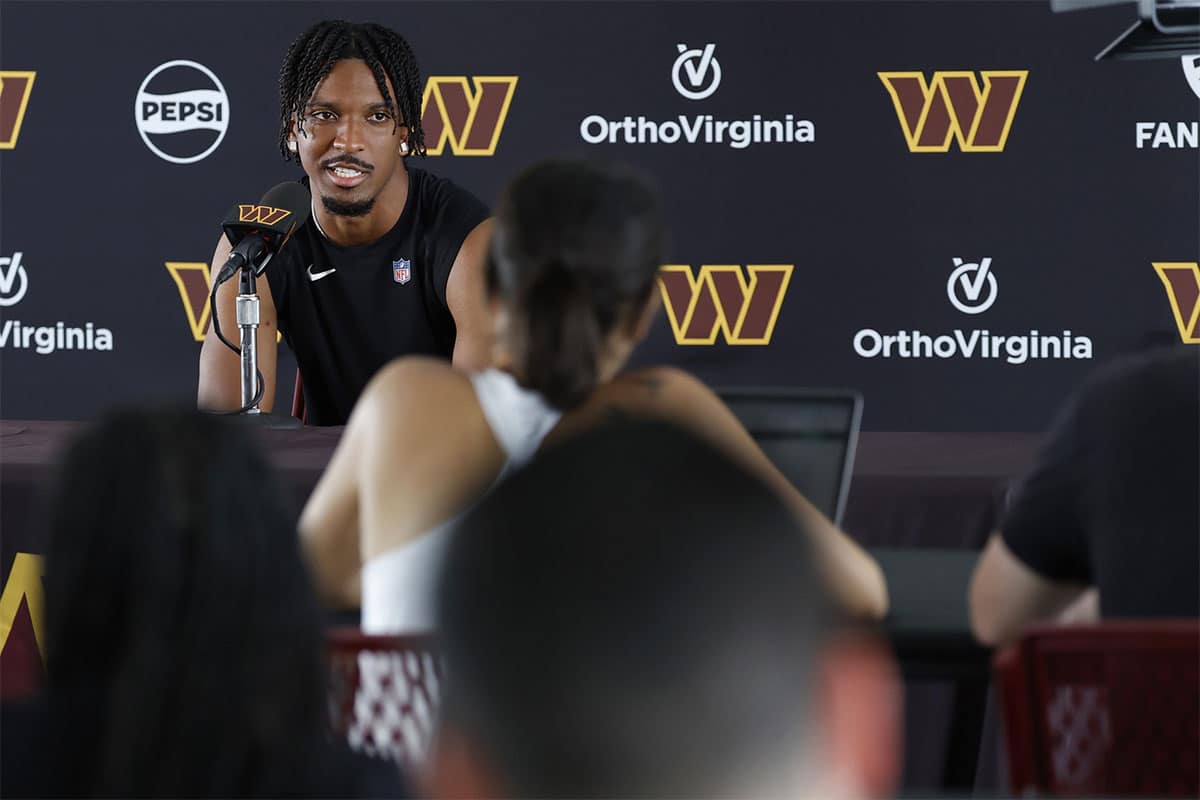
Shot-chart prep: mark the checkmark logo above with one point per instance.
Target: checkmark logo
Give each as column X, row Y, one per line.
column 700, row 68
column 972, row 286
column 316, row 276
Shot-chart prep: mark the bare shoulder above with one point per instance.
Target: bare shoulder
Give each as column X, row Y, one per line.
column 656, row 390
column 417, row 373
column 416, row 388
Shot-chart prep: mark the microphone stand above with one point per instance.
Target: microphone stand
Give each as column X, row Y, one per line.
column 247, row 320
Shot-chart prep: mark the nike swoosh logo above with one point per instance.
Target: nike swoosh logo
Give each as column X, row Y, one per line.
column 316, row 276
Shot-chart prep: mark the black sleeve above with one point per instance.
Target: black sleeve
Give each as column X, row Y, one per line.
column 457, row 212
column 1045, row 523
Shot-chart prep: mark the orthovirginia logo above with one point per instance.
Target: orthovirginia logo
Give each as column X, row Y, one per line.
column 699, row 68
column 1182, row 282
column 181, row 111
column 1178, row 135
column 696, row 74
column 967, row 283
column 15, row 89
column 14, row 280
column 468, row 121
column 720, row 299
column 954, row 107
column 972, row 289
column 42, row 339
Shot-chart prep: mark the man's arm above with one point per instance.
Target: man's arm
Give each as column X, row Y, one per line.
column 1006, row 595
column 220, row 367
column 855, row 578
column 466, row 296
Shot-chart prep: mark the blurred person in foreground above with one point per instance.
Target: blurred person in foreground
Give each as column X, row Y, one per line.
column 635, row 615
column 184, row 641
column 571, row 282
column 1107, row 523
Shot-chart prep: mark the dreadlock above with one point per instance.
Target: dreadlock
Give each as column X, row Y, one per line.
column 312, row 55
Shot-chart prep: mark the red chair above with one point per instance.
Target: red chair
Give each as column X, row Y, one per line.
column 1103, row 710
column 384, row 693
column 298, row 410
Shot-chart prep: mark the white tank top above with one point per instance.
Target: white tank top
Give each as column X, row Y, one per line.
column 397, row 586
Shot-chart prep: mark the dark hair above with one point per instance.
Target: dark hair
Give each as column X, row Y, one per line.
column 178, row 608
column 576, row 248
column 312, row 55
column 632, row 615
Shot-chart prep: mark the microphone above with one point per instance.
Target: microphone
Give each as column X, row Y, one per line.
column 259, row 231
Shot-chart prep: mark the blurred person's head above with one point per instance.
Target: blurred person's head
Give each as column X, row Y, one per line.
column 574, row 255
column 178, row 611
column 635, row 616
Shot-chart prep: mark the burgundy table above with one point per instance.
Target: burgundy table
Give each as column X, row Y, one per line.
column 940, row 490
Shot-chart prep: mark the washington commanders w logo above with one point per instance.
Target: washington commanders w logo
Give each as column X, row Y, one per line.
column 954, row 106
column 264, row 214
column 191, row 279
column 23, row 587
column 1182, row 281
column 15, row 88
column 720, row 299
column 468, row 120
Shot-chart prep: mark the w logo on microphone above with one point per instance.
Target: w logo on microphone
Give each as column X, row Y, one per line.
column 720, row 299
column 265, row 215
column 1182, row 282
column 952, row 106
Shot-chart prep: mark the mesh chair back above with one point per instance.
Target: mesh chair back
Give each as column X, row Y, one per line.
column 384, row 693
column 1104, row 710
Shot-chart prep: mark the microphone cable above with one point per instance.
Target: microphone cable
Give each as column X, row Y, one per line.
column 216, row 323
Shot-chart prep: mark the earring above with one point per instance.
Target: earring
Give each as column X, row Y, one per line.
column 404, row 148
column 293, row 146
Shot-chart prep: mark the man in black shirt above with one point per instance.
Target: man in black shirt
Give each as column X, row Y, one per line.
column 1111, row 510
column 391, row 261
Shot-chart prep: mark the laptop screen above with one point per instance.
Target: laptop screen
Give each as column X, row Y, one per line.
column 810, row 435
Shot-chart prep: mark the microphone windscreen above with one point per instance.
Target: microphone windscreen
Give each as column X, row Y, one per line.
column 283, row 209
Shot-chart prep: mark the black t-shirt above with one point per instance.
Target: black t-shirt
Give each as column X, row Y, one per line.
column 1114, row 499
column 347, row 311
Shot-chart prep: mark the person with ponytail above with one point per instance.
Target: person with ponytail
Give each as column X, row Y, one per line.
column 574, row 255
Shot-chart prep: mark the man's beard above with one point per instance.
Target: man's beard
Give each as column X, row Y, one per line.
column 341, row 208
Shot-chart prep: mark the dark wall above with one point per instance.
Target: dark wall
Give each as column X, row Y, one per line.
column 1071, row 212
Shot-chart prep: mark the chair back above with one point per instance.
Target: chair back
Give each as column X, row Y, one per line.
column 811, row 435
column 1103, row 710
column 384, row 693
column 298, row 409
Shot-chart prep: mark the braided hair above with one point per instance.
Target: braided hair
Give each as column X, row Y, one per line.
column 312, row 55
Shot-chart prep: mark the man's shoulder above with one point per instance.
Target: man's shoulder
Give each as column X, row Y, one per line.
column 439, row 193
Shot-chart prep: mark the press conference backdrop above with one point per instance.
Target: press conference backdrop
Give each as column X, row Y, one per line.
column 948, row 206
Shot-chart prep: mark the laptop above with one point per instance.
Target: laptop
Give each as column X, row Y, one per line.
column 809, row 434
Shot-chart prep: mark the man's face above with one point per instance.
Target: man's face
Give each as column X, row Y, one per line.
column 349, row 143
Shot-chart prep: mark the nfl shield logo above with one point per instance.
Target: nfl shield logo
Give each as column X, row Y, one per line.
column 401, row 271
